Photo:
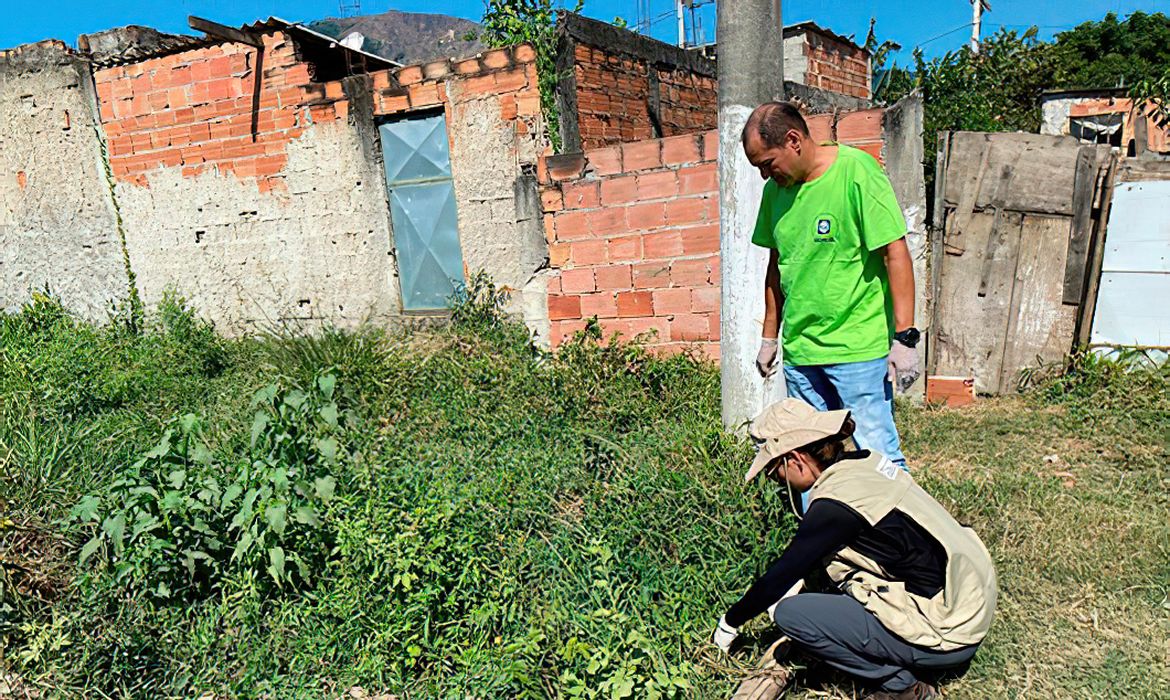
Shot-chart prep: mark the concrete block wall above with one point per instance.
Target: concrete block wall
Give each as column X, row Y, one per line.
column 57, row 221
column 633, row 234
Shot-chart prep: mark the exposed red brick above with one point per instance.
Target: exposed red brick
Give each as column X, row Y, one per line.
column 651, row 215
column 425, row 94
column 581, row 195
column 635, row 304
column 524, row 53
column 558, row 254
column 588, row 252
column 625, row 248
column 619, row 190
column 700, row 240
column 705, row 299
column 614, row 277
column 642, row 155
column 711, row 146
column 864, row 125
column 702, row 179
column 500, row 58
column 564, row 307
column 672, row 301
column 577, row 281
column 690, row 327
column 409, row 75
column 508, row 107
column 692, row 273
column 606, row 161
column 648, row 330
column 602, row 304
column 681, row 149
column 571, row 225
column 550, row 200
column 510, row 80
column 687, row 210
column 661, row 245
column 604, row 222
column 657, row 185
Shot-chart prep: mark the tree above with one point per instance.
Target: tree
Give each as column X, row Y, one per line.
column 1112, row 53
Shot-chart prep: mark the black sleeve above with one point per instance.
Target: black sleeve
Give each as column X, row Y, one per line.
column 827, row 527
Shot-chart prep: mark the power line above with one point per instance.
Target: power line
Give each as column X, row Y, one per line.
column 947, row 33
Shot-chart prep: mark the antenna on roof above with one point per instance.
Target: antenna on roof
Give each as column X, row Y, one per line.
column 350, row 8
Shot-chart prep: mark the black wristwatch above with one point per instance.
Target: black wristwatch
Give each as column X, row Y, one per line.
column 908, row 337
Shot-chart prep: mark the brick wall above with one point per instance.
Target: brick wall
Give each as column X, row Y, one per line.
column 636, row 241
column 57, row 227
column 633, row 235
column 835, row 65
column 195, row 109
column 689, row 101
column 618, row 86
column 614, row 103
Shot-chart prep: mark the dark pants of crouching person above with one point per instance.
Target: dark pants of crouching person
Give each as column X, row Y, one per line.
column 838, row 630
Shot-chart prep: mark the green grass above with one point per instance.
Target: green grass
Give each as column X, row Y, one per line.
column 510, row 524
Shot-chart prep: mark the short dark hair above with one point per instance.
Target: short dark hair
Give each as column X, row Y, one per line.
column 828, row 450
column 772, row 121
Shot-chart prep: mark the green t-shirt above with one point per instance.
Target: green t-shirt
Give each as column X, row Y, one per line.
column 837, row 305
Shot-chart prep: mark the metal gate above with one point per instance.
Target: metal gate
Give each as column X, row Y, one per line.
column 422, row 210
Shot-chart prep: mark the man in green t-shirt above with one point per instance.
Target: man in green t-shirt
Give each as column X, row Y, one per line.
column 840, row 274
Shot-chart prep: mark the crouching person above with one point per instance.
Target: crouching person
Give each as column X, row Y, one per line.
column 913, row 591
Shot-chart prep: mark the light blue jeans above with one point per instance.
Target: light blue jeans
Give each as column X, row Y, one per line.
column 864, row 389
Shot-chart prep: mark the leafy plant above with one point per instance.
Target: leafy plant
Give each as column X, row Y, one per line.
column 178, row 522
column 478, row 303
column 509, row 22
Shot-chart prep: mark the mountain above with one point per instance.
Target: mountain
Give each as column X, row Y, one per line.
column 407, row 37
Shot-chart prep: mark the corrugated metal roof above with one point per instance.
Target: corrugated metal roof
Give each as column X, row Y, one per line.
column 166, row 44
column 276, row 23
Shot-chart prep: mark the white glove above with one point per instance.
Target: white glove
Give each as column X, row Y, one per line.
column 766, row 357
column 725, row 634
column 796, row 588
column 903, row 366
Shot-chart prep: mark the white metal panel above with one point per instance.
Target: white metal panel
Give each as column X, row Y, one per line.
column 1133, row 308
column 1133, row 302
column 1138, row 239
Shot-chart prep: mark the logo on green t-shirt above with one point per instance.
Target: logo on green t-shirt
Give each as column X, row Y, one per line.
column 825, row 229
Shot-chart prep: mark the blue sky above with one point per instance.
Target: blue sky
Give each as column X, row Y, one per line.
column 909, row 22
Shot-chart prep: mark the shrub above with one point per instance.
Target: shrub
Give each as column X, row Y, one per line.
column 178, row 521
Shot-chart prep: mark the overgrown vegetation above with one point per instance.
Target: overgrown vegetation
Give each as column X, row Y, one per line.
column 998, row 89
column 457, row 513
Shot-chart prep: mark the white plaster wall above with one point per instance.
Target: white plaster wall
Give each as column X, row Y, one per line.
column 795, row 60
column 58, row 229
column 1054, row 116
column 318, row 253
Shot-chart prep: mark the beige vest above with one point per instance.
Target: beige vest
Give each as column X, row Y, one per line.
column 960, row 613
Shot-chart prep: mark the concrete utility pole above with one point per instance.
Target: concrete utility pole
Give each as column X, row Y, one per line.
column 751, row 71
column 682, row 25
column 977, row 23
